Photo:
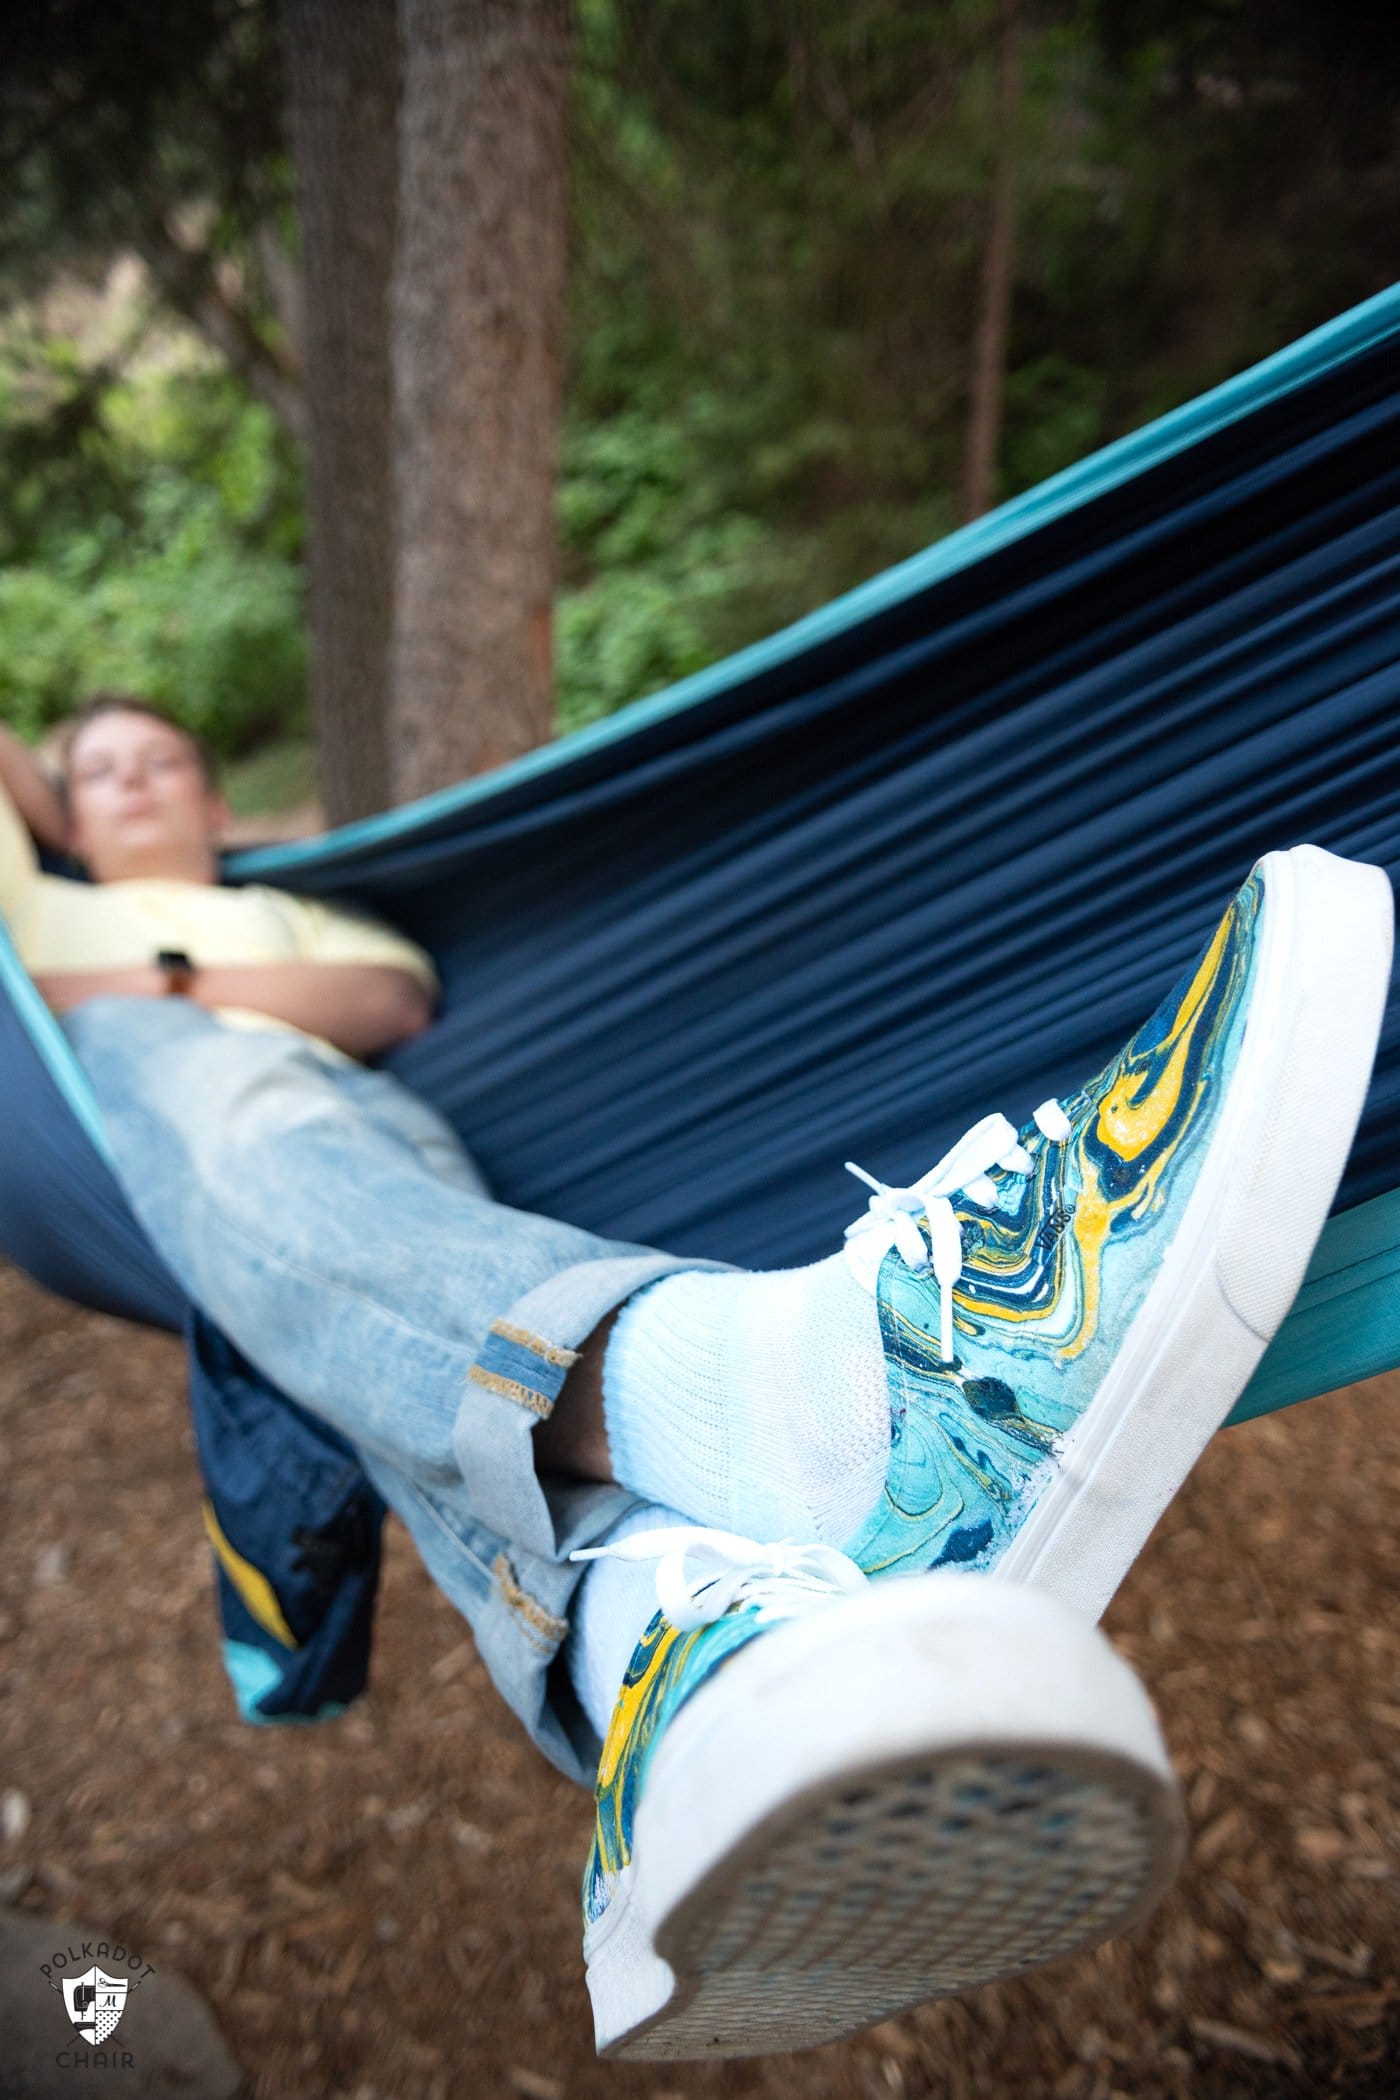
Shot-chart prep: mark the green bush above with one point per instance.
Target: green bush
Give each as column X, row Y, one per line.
column 162, row 558
column 218, row 642
column 692, row 523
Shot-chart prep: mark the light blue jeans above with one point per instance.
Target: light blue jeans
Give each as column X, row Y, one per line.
column 333, row 1226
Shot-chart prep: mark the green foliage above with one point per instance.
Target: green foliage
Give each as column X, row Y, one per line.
column 278, row 776
column 753, row 424
column 160, row 556
column 779, row 218
column 116, row 115
column 151, row 532
column 665, row 531
column 685, row 534
column 217, row 641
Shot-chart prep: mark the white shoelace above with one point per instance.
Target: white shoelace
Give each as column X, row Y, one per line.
column 894, row 1215
column 701, row 1572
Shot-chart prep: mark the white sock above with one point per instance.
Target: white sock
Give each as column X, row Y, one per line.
column 612, row 1608
column 754, row 1401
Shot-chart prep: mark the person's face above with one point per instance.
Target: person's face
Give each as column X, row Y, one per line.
column 138, row 802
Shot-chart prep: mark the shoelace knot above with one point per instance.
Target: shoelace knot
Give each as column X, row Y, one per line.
column 896, row 1214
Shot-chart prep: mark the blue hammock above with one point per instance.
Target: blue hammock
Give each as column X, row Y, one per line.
column 937, row 848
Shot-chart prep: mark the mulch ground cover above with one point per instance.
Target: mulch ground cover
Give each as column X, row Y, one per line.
column 385, row 1907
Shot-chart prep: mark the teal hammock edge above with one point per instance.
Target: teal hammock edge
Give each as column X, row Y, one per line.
column 52, row 1044
column 1361, row 328
column 1344, row 1325
column 1345, row 1321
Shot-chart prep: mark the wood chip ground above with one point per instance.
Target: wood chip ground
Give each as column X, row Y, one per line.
column 385, row 1907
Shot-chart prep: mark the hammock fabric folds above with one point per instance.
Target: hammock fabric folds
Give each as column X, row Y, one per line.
column 935, row 850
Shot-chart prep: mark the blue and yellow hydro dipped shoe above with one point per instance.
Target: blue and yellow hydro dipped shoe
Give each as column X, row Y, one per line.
column 822, row 1800
column 1069, row 1311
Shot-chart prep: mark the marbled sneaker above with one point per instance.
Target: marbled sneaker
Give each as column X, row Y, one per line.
column 822, row 1799
column 1069, row 1311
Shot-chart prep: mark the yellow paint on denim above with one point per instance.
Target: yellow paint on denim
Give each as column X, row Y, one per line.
column 250, row 1582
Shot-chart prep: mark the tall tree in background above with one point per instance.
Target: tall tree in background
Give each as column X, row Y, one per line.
column 992, row 339
column 431, row 177
column 342, row 63
column 478, row 305
column 786, row 225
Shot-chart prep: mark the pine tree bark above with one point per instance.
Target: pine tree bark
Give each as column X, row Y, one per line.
column 343, row 73
column 998, row 274
column 478, row 306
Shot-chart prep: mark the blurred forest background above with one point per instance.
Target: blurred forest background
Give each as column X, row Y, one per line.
column 840, row 273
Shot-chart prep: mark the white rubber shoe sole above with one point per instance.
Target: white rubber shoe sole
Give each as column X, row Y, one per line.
column 1247, row 1234
column 920, row 1789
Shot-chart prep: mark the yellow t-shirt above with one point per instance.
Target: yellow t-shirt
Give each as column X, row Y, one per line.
column 57, row 924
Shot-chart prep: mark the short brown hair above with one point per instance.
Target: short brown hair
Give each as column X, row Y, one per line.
column 113, row 703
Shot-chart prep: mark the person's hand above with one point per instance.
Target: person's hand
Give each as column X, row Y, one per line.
column 62, row 989
column 32, row 792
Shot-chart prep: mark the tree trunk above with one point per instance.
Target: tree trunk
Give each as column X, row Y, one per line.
column 343, row 73
column 478, row 309
column 998, row 274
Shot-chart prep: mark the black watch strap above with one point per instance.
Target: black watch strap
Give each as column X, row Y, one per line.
column 179, row 971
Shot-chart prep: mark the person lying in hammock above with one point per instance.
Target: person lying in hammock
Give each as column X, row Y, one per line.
column 814, row 1555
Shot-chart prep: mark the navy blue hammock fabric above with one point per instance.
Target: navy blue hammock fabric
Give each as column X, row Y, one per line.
column 933, row 850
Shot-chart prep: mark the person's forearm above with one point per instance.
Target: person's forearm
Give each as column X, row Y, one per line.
column 32, row 793
column 363, row 1008
column 64, row 988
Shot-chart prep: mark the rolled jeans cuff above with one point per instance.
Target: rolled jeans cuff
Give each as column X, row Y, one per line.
column 515, row 1381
